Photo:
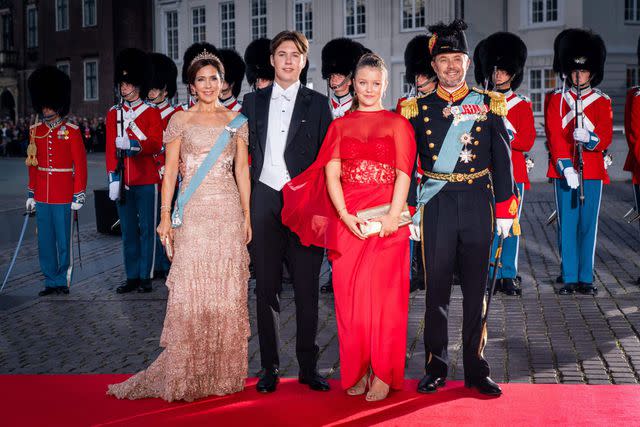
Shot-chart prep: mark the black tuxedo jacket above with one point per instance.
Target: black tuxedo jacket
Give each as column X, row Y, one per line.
column 309, row 123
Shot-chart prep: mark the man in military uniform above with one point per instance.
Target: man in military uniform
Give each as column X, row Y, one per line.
column 162, row 89
column 579, row 127
column 233, row 75
column 260, row 72
column 423, row 80
column 632, row 133
column 57, row 175
column 188, row 56
column 134, row 137
column 464, row 151
column 498, row 65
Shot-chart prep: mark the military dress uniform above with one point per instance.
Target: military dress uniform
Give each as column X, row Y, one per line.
column 632, row 133
column 578, row 222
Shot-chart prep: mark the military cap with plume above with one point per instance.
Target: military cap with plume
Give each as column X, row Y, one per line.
column 448, row 38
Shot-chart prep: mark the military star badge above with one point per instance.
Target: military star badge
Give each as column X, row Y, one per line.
column 465, row 139
column 466, row 156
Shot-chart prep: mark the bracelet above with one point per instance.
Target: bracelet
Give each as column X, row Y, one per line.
column 165, row 208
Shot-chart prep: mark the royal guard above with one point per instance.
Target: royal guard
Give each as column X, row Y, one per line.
column 420, row 76
column 579, row 126
column 162, row 89
column 339, row 59
column 57, row 165
column 632, row 133
column 134, row 138
column 233, row 75
column 467, row 190
column 260, row 72
column 188, row 56
column 498, row 65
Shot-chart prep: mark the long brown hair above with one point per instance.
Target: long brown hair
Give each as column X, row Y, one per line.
column 371, row 60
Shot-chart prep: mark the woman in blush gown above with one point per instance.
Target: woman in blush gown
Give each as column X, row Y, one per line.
column 206, row 328
column 365, row 161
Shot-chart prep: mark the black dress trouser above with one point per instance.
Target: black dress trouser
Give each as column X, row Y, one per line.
column 457, row 228
column 272, row 243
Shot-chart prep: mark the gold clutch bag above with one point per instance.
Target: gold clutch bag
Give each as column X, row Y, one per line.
column 374, row 227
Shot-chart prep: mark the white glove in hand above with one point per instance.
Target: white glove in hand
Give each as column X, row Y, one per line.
column 581, row 135
column 114, row 190
column 31, row 204
column 503, row 226
column 571, row 176
column 75, row 206
column 123, row 143
column 415, row 233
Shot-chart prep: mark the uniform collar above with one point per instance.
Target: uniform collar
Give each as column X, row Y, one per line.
column 341, row 100
column 454, row 96
column 583, row 92
column 134, row 104
column 164, row 104
column 54, row 124
column 229, row 101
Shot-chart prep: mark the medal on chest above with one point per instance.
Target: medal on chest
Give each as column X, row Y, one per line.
column 63, row 133
column 462, row 113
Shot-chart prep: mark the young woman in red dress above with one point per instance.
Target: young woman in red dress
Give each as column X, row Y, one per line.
column 365, row 161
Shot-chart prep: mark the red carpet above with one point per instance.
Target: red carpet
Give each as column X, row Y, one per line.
column 70, row 400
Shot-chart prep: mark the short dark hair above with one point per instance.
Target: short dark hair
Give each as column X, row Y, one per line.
column 299, row 39
column 198, row 64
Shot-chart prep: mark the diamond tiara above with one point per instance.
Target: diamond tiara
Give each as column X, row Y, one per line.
column 205, row 54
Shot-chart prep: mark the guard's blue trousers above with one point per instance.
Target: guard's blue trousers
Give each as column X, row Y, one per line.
column 54, row 243
column 138, row 223
column 510, row 248
column 578, row 228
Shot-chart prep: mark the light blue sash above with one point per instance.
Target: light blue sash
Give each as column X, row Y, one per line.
column 447, row 157
column 217, row 149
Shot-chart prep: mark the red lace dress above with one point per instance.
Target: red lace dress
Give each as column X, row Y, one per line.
column 370, row 277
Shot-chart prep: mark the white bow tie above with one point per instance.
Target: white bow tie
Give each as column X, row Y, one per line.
column 279, row 92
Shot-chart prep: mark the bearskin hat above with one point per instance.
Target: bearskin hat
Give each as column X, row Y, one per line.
column 165, row 73
column 448, row 38
column 504, row 51
column 134, row 66
column 578, row 49
column 340, row 56
column 51, row 88
column 417, row 59
column 303, row 73
column 193, row 51
column 233, row 68
column 258, row 61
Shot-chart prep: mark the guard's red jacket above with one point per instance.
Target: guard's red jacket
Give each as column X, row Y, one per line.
column 522, row 133
column 166, row 111
column 560, row 123
column 632, row 132
column 146, row 130
column 62, row 163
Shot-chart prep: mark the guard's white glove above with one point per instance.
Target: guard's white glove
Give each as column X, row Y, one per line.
column 415, row 233
column 123, row 143
column 503, row 226
column 571, row 176
column 114, row 190
column 76, row 206
column 581, row 135
column 31, row 204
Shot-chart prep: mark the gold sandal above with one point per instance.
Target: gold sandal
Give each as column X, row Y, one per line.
column 360, row 387
column 376, row 395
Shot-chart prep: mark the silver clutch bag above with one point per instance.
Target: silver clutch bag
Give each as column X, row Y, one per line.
column 374, row 227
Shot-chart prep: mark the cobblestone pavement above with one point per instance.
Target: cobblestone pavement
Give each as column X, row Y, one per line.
column 540, row 337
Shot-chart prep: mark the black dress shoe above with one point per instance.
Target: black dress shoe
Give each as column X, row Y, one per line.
column 268, row 381
column 131, row 285
column 63, row 290
column 559, row 279
column 315, row 381
column 430, row 383
column 498, row 287
column 159, row 274
column 47, row 291
column 511, row 288
column 484, row 385
column 145, row 285
column 587, row 289
column 567, row 289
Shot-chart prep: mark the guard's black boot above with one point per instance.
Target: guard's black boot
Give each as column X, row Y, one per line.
column 568, row 289
column 587, row 289
column 510, row 287
column 131, row 285
column 47, row 291
column 145, row 286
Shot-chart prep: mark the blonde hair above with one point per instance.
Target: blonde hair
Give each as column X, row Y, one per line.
column 370, row 60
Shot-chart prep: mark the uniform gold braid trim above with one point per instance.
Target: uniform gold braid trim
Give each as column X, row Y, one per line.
column 498, row 103
column 409, row 108
column 484, row 336
column 456, row 177
column 32, row 149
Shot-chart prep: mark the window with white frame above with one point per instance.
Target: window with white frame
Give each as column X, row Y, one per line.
column 632, row 11
column 258, row 19
column 62, row 15
column 89, row 13
column 303, row 17
column 355, row 21
column 199, row 23
column 32, row 26
column 543, row 11
column 91, row 80
column 171, row 20
column 228, row 24
column 632, row 76
column 65, row 67
column 412, row 14
column 541, row 80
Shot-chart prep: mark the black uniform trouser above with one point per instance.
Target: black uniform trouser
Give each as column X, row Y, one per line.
column 457, row 227
column 272, row 242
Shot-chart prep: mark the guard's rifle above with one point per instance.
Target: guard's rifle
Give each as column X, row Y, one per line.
column 579, row 145
column 120, row 130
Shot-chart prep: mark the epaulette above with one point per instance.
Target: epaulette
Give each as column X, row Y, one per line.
column 113, row 107
column 35, row 125
column 498, row 103
column 604, row 95
column 524, row 98
column 558, row 90
column 72, row 126
column 409, row 107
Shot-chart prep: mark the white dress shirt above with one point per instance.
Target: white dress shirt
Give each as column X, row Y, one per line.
column 274, row 170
